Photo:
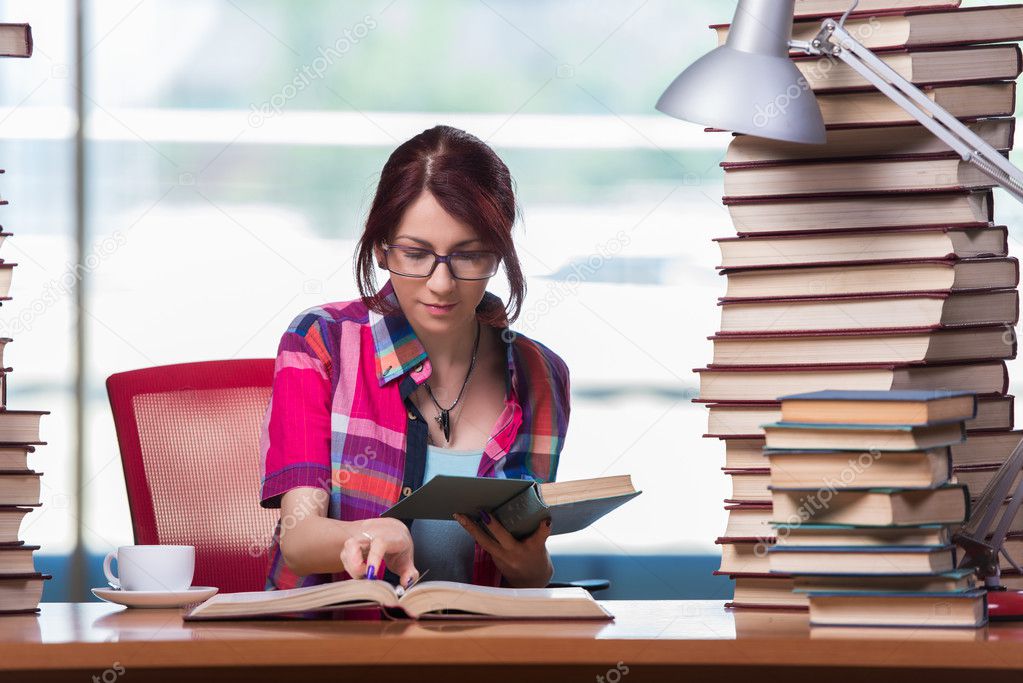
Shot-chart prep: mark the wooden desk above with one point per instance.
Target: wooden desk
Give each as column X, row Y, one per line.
column 649, row 640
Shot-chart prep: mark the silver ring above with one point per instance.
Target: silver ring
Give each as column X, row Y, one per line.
column 367, row 535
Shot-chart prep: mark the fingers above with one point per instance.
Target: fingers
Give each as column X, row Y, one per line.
column 497, row 529
column 409, row 576
column 377, row 547
column 353, row 556
column 402, row 564
column 542, row 533
column 485, row 541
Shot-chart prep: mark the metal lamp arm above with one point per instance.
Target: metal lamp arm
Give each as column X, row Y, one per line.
column 833, row 40
column 992, row 516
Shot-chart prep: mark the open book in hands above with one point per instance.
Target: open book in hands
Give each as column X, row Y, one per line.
column 518, row 504
column 427, row 600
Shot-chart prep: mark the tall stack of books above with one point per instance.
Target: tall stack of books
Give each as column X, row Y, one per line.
column 865, row 503
column 21, row 586
column 871, row 261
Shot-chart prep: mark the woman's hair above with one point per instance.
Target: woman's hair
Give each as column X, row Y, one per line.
column 468, row 180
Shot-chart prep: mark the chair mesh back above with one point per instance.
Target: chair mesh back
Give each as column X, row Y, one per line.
column 189, row 437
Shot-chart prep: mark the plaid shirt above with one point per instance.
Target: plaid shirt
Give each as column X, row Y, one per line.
column 340, row 418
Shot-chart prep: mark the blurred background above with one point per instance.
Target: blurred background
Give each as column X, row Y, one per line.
column 231, row 150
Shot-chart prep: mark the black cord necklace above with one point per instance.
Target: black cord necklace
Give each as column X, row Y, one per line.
column 443, row 419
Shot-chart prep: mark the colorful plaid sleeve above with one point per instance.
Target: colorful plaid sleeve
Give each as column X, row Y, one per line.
column 560, row 384
column 295, row 437
column 543, row 388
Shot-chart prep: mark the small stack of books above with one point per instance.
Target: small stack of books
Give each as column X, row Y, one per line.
column 21, row 586
column 869, row 262
column 865, row 503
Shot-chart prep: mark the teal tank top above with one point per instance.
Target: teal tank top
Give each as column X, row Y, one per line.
column 442, row 545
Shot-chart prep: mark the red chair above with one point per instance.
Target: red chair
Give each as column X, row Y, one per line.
column 189, row 440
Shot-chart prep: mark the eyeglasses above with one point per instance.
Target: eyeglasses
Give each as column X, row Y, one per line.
column 417, row 262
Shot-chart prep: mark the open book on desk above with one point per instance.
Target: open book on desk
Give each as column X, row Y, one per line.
column 426, row 600
column 518, row 504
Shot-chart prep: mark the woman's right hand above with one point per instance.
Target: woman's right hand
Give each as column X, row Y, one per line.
column 389, row 540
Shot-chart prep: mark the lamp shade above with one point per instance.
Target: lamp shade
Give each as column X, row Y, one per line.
column 749, row 84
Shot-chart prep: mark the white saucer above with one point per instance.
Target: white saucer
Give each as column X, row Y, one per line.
column 155, row 599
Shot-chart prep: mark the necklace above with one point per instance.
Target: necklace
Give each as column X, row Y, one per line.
column 443, row 419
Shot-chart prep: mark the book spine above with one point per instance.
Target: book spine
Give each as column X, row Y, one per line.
column 1012, row 108
column 522, row 514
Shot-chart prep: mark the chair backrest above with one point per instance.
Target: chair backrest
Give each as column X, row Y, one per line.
column 189, row 440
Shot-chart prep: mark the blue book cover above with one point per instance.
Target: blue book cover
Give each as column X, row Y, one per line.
column 824, row 451
column 972, row 593
column 852, row 426
column 951, row 549
column 859, row 548
column 824, row 525
column 867, row 432
column 889, row 491
column 983, row 621
column 953, row 595
column 954, row 575
column 766, row 452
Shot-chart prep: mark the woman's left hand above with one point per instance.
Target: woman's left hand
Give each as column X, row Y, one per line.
column 525, row 563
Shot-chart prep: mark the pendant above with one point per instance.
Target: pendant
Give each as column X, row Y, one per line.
column 442, row 419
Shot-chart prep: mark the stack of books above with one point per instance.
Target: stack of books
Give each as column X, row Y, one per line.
column 869, row 262
column 865, row 504
column 21, row 586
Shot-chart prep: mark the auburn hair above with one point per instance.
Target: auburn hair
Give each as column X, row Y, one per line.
column 468, row 180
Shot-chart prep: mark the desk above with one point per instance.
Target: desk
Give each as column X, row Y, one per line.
column 649, row 640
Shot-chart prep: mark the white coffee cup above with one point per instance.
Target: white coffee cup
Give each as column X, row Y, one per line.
column 151, row 567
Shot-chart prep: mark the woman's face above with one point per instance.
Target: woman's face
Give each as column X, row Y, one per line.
column 427, row 225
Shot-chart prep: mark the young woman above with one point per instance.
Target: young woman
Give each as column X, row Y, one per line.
column 374, row 396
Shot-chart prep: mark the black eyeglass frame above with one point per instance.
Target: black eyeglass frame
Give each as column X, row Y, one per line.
column 437, row 258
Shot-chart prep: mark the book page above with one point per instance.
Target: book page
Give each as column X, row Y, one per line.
column 299, row 599
column 455, row 588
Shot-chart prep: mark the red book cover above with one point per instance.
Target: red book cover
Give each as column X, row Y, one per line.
column 777, row 404
column 1015, row 34
column 893, row 124
column 988, row 198
column 839, row 367
column 871, row 231
column 875, row 331
column 26, row 37
column 856, row 195
column 864, row 12
column 949, row 262
column 941, row 293
column 800, row 57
